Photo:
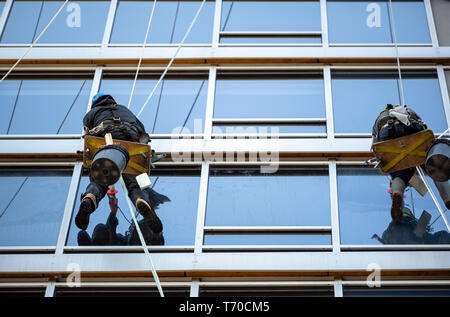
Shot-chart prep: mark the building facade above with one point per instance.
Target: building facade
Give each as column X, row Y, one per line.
column 265, row 117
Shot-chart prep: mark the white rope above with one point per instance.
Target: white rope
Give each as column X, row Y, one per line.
column 141, row 238
column 394, row 35
column 402, row 96
column 34, row 42
column 173, row 58
column 422, row 176
column 142, row 53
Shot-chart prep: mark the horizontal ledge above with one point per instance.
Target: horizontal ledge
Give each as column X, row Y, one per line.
column 396, row 247
column 267, row 230
column 298, row 121
column 379, row 44
column 154, row 248
column 19, row 249
column 270, row 34
column 39, row 136
column 243, row 248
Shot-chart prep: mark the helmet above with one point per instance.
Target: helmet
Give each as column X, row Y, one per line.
column 94, row 99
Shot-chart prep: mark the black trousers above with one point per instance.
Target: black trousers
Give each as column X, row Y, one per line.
column 134, row 191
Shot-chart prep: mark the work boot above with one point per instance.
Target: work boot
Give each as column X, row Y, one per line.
column 87, row 206
column 398, row 187
column 150, row 217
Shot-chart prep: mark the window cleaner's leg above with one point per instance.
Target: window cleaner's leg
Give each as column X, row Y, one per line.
column 398, row 187
column 444, row 192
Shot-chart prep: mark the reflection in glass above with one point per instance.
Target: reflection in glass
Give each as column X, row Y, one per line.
column 81, row 22
column 370, row 22
column 364, row 210
column 178, row 216
column 363, row 95
column 176, row 104
column 246, row 197
column 32, row 207
column 43, row 106
column 269, row 98
column 170, row 22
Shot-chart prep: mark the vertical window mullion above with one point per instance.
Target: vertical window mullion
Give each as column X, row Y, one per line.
column 431, row 25
column 109, row 23
column 50, row 289
column 337, row 285
column 68, row 209
column 216, row 25
column 201, row 211
column 4, row 15
column 445, row 93
column 328, row 101
column 335, row 234
column 195, row 288
column 324, row 22
column 210, row 102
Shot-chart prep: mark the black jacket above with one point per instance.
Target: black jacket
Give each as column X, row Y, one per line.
column 105, row 109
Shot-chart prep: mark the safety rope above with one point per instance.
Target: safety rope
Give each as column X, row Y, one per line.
column 172, row 59
column 34, row 42
column 149, row 23
column 141, row 238
column 402, row 96
column 394, row 36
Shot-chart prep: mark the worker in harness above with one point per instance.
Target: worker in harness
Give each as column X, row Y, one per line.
column 106, row 116
column 393, row 122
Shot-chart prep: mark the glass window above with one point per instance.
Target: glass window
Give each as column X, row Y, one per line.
column 370, row 22
column 292, row 17
column 170, row 22
column 32, row 206
column 81, row 22
column 364, row 211
column 363, row 95
column 121, row 292
column 249, row 197
column 50, row 106
column 293, row 95
column 176, row 104
column 2, row 5
column 22, row 292
column 265, row 291
column 267, row 239
column 267, row 129
column 178, row 215
column 401, row 291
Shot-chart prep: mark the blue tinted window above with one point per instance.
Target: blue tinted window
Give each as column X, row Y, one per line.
column 270, row 16
column 364, row 210
column 178, row 215
column 267, row 239
column 370, row 22
column 170, row 22
column 249, row 198
column 269, row 98
column 43, row 106
column 2, row 5
column 175, row 104
column 81, row 22
column 281, row 16
column 364, row 95
column 273, row 129
column 32, row 207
